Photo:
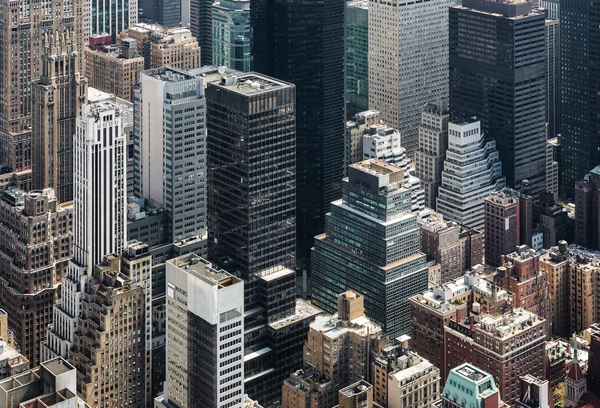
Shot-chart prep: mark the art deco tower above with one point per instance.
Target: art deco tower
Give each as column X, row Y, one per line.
column 57, row 99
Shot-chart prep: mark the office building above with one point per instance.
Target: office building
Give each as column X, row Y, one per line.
column 553, row 102
column 408, row 61
column 170, row 148
column 99, row 225
column 113, row 69
column 309, row 39
column 360, row 124
column 167, row 13
column 553, row 221
column 504, row 90
column 205, row 335
column 471, row 245
column 357, row 395
column 32, row 264
column 22, row 39
column 587, row 210
column 441, row 243
column 197, row 14
column 337, row 353
column 534, row 393
column 113, row 317
column 108, row 16
column 574, row 277
column 231, row 34
column 372, row 249
column 57, row 98
column 176, row 48
column 251, row 221
column 53, row 385
column 433, row 143
column 552, row 173
column 357, row 57
column 552, row 7
column 508, row 224
column 383, row 143
column 579, row 53
column 432, row 310
column 492, row 343
column 521, row 275
column 11, row 361
column 472, row 170
column 414, row 383
column 475, row 387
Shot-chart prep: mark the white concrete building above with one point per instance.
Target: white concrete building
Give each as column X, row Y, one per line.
column 408, row 61
column 472, row 170
column 99, row 214
column 384, row 143
column 205, row 315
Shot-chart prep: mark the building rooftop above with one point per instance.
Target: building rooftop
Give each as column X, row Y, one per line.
column 357, row 388
column 58, row 366
column 363, row 4
column 303, row 311
column 201, row 268
column 334, row 326
column 508, row 324
column 274, row 275
column 96, row 95
column 376, row 167
column 169, row 74
column 463, row 121
column 250, row 83
column 414, row 371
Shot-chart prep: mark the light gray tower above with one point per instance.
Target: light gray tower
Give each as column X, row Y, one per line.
column 169, row 156
column 408, row 61
column 371, row 245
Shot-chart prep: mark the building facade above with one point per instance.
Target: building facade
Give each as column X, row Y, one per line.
column 408, row 61
column 108, row 17
column 57, row 98
column 440, row 241
column 587, row 218
column 553, row 75
column 489, row 84
column 472, row 385
column 231, row 34
column 198, row 15
column 36, row 245
column 472, row 170
column 433, row 143
column 353, row 253
column 176, row 48
column 357, row 57
column 360, row 124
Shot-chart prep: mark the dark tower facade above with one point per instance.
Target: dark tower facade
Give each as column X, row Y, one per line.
column 201, row 26
column 303, row 43
column 497, row 73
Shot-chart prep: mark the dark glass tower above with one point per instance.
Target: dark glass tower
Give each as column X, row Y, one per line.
column 201, row 27
column 303, row 42
column 497, row 73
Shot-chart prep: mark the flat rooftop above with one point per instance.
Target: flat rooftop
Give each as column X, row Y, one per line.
column 250, row 83
column 169, row 74
column 58, row 366
column 303, row 311
column 363, row 4
column 471, row 372
column 376, row 167
column 201, row 268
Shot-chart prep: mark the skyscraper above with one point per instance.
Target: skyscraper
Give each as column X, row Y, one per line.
column 408, row 61
column 21, row 49
column 199, row 13
column 108, row 16
column 99, row 162
column 553, row 102
column 371, row 245
column 472, row 170
column 231, row 34
column 164, row 12
column 169, row 128
column 497, row 73
column 303, row 43
column 57, row 99
column 357, row 57
column 251, row 171
column 433, row 143
column 205, row 335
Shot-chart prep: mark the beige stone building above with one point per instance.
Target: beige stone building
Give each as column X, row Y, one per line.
column 178, row 48
column 11, row 361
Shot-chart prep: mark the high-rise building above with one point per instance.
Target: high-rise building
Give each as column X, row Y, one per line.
column 587, row 210
column 11, row 361
column 498, row 344
column 303, row 43
column 21, row 50
column 440, row 242
column 475, row 387
column 553, row 102
column 552, row 184
column 205, row 336
column 164, row 12
column 170, row 148
column 357, row 57
column 357, row 395
column 114, row 69
column 535, row 392
column 231, row 34
column 552, row 7
column 472, row 170
column 355, row 129
column 99, row 162
column 555, row 359
column 57, row 98
column 508, row 215
column 198, row 15
column 414, row 383
column 175, row 48
column 108, row 16
column 383, row 143
column 593, row 373
column 579, row 53
column 35, row 247
column 112, row 317
column 433, row 143
column 408, row 61
column 471, row 244
column 251, row 171
column 504, row 90
column 371, row 245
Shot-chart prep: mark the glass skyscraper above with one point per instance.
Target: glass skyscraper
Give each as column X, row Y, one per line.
column 371, row 245
column 231, row 34
column 357, row 57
